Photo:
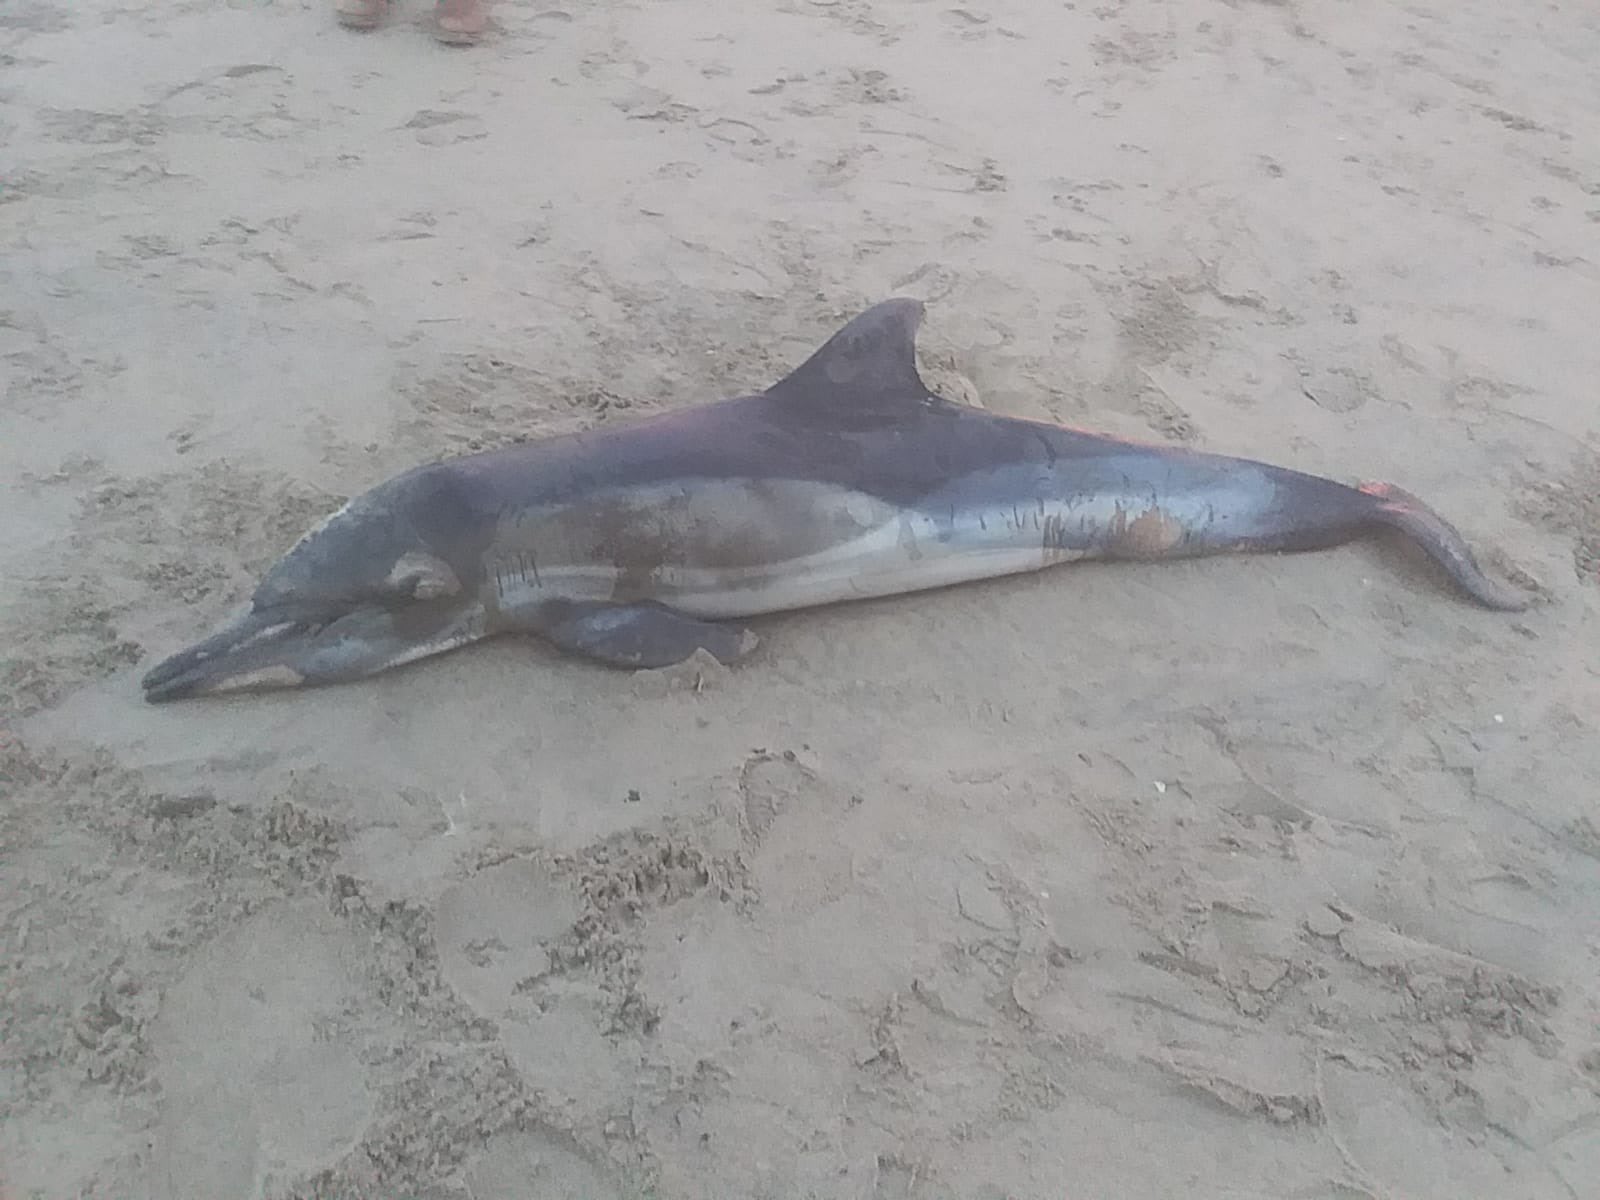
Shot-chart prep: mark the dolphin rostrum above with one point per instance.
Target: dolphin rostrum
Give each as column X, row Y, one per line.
column 637, row 544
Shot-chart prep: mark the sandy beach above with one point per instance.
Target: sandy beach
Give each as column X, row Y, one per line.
column 1252, row 878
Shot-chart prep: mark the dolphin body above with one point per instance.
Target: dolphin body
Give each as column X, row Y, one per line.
column 636, row 545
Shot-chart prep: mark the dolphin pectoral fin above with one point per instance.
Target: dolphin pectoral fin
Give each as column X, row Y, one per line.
column 642, row 635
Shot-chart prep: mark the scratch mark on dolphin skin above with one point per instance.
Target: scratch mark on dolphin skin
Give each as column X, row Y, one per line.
column 517, row 568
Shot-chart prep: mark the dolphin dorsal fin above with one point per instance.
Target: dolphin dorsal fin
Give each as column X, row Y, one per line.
column 867, row 367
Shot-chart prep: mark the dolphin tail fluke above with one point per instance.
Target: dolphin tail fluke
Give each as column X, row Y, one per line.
column 1399, row 509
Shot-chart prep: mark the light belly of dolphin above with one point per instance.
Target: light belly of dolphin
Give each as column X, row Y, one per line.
column 882, row 562
column 999, row 523
column 870, row 568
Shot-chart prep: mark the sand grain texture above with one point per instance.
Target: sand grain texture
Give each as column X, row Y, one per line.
column 1243, row 878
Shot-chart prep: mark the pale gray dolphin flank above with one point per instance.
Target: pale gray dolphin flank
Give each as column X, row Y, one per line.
column 638, row 544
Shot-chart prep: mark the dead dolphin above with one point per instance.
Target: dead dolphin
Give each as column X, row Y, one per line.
column 637, row 544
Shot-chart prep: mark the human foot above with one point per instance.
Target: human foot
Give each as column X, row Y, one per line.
column 360, row 14
column 459, row 22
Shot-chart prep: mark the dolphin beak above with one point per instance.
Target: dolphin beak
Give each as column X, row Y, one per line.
column 255, row 644
column 266, row 650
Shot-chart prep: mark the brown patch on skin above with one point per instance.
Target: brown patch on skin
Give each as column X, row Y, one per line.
column 1154, row 533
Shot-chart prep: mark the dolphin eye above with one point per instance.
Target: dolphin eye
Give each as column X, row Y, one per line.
column 422, row 576
column 428, row 586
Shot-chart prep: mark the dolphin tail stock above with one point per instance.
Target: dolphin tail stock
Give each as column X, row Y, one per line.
column 1398, row 509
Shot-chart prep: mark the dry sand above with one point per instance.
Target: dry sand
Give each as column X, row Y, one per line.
column 1244, row 878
